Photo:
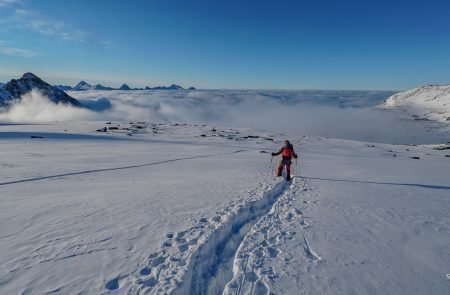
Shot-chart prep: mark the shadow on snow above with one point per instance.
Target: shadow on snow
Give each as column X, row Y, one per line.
column 440, row 187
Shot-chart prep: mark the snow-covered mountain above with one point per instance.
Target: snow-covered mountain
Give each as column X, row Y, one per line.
column 3, row 95
column 101, row 87
column 15, row 88
column 431, row 102
column 124, row 87
column 171, row 87
column 63, row 87
column 85, row 86
column 174, row 87
column 82, row 85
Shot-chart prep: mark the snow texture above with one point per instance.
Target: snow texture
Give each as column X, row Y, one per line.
column 130, row 206
column 156, row 208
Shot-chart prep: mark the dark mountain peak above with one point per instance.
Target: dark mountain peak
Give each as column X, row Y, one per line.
column 174, row 87
column 171, row 87
column 82, row 85
column 14, row 89
column 30, row 76
column 124, row 87
column 101, row 87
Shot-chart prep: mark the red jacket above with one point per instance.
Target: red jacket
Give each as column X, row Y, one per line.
column 286, row 152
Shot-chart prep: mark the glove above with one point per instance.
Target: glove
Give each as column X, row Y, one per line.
column 295, row 156
column 273, row 154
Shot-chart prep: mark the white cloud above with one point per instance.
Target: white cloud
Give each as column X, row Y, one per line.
column 34, row 107
column 338, row 114
column 76, row 35
column 5, row 3
column 31, row 20
column 17, row 51
column 28, row 20
column 6, row 48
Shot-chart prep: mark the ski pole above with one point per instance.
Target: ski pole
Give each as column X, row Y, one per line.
column 271, row 166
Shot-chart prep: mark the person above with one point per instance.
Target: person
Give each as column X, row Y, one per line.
column 287, row 152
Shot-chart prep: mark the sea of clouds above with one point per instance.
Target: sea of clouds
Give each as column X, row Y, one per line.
column 340, row 114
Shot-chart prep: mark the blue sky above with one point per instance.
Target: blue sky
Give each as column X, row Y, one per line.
column 347, row 44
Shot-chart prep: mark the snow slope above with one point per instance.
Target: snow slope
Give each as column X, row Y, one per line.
column 359, row 221
column 186, row 209
column 431, row 102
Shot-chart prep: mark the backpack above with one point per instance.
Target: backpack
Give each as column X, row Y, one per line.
column 286, row 152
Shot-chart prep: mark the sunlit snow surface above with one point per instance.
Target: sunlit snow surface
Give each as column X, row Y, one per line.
column 429, row 103
column 150, row 208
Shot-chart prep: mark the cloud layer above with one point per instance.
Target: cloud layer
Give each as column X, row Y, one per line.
column 36, row 108
column 340, row 114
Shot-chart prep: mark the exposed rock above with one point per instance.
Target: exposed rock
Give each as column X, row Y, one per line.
column 15, row 88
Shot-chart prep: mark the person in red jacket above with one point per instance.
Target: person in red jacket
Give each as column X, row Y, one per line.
column 287, row 152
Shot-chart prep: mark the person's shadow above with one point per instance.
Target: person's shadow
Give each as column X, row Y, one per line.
column 441, row 187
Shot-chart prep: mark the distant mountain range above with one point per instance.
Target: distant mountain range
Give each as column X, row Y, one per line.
column 14, row 89
column 171, row 87
column 83, row 85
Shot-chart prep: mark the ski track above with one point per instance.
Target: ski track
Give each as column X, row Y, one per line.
column 251, row 274
column 224, row 254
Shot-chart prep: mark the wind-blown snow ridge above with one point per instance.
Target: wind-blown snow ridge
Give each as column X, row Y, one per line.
column 199, row 260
